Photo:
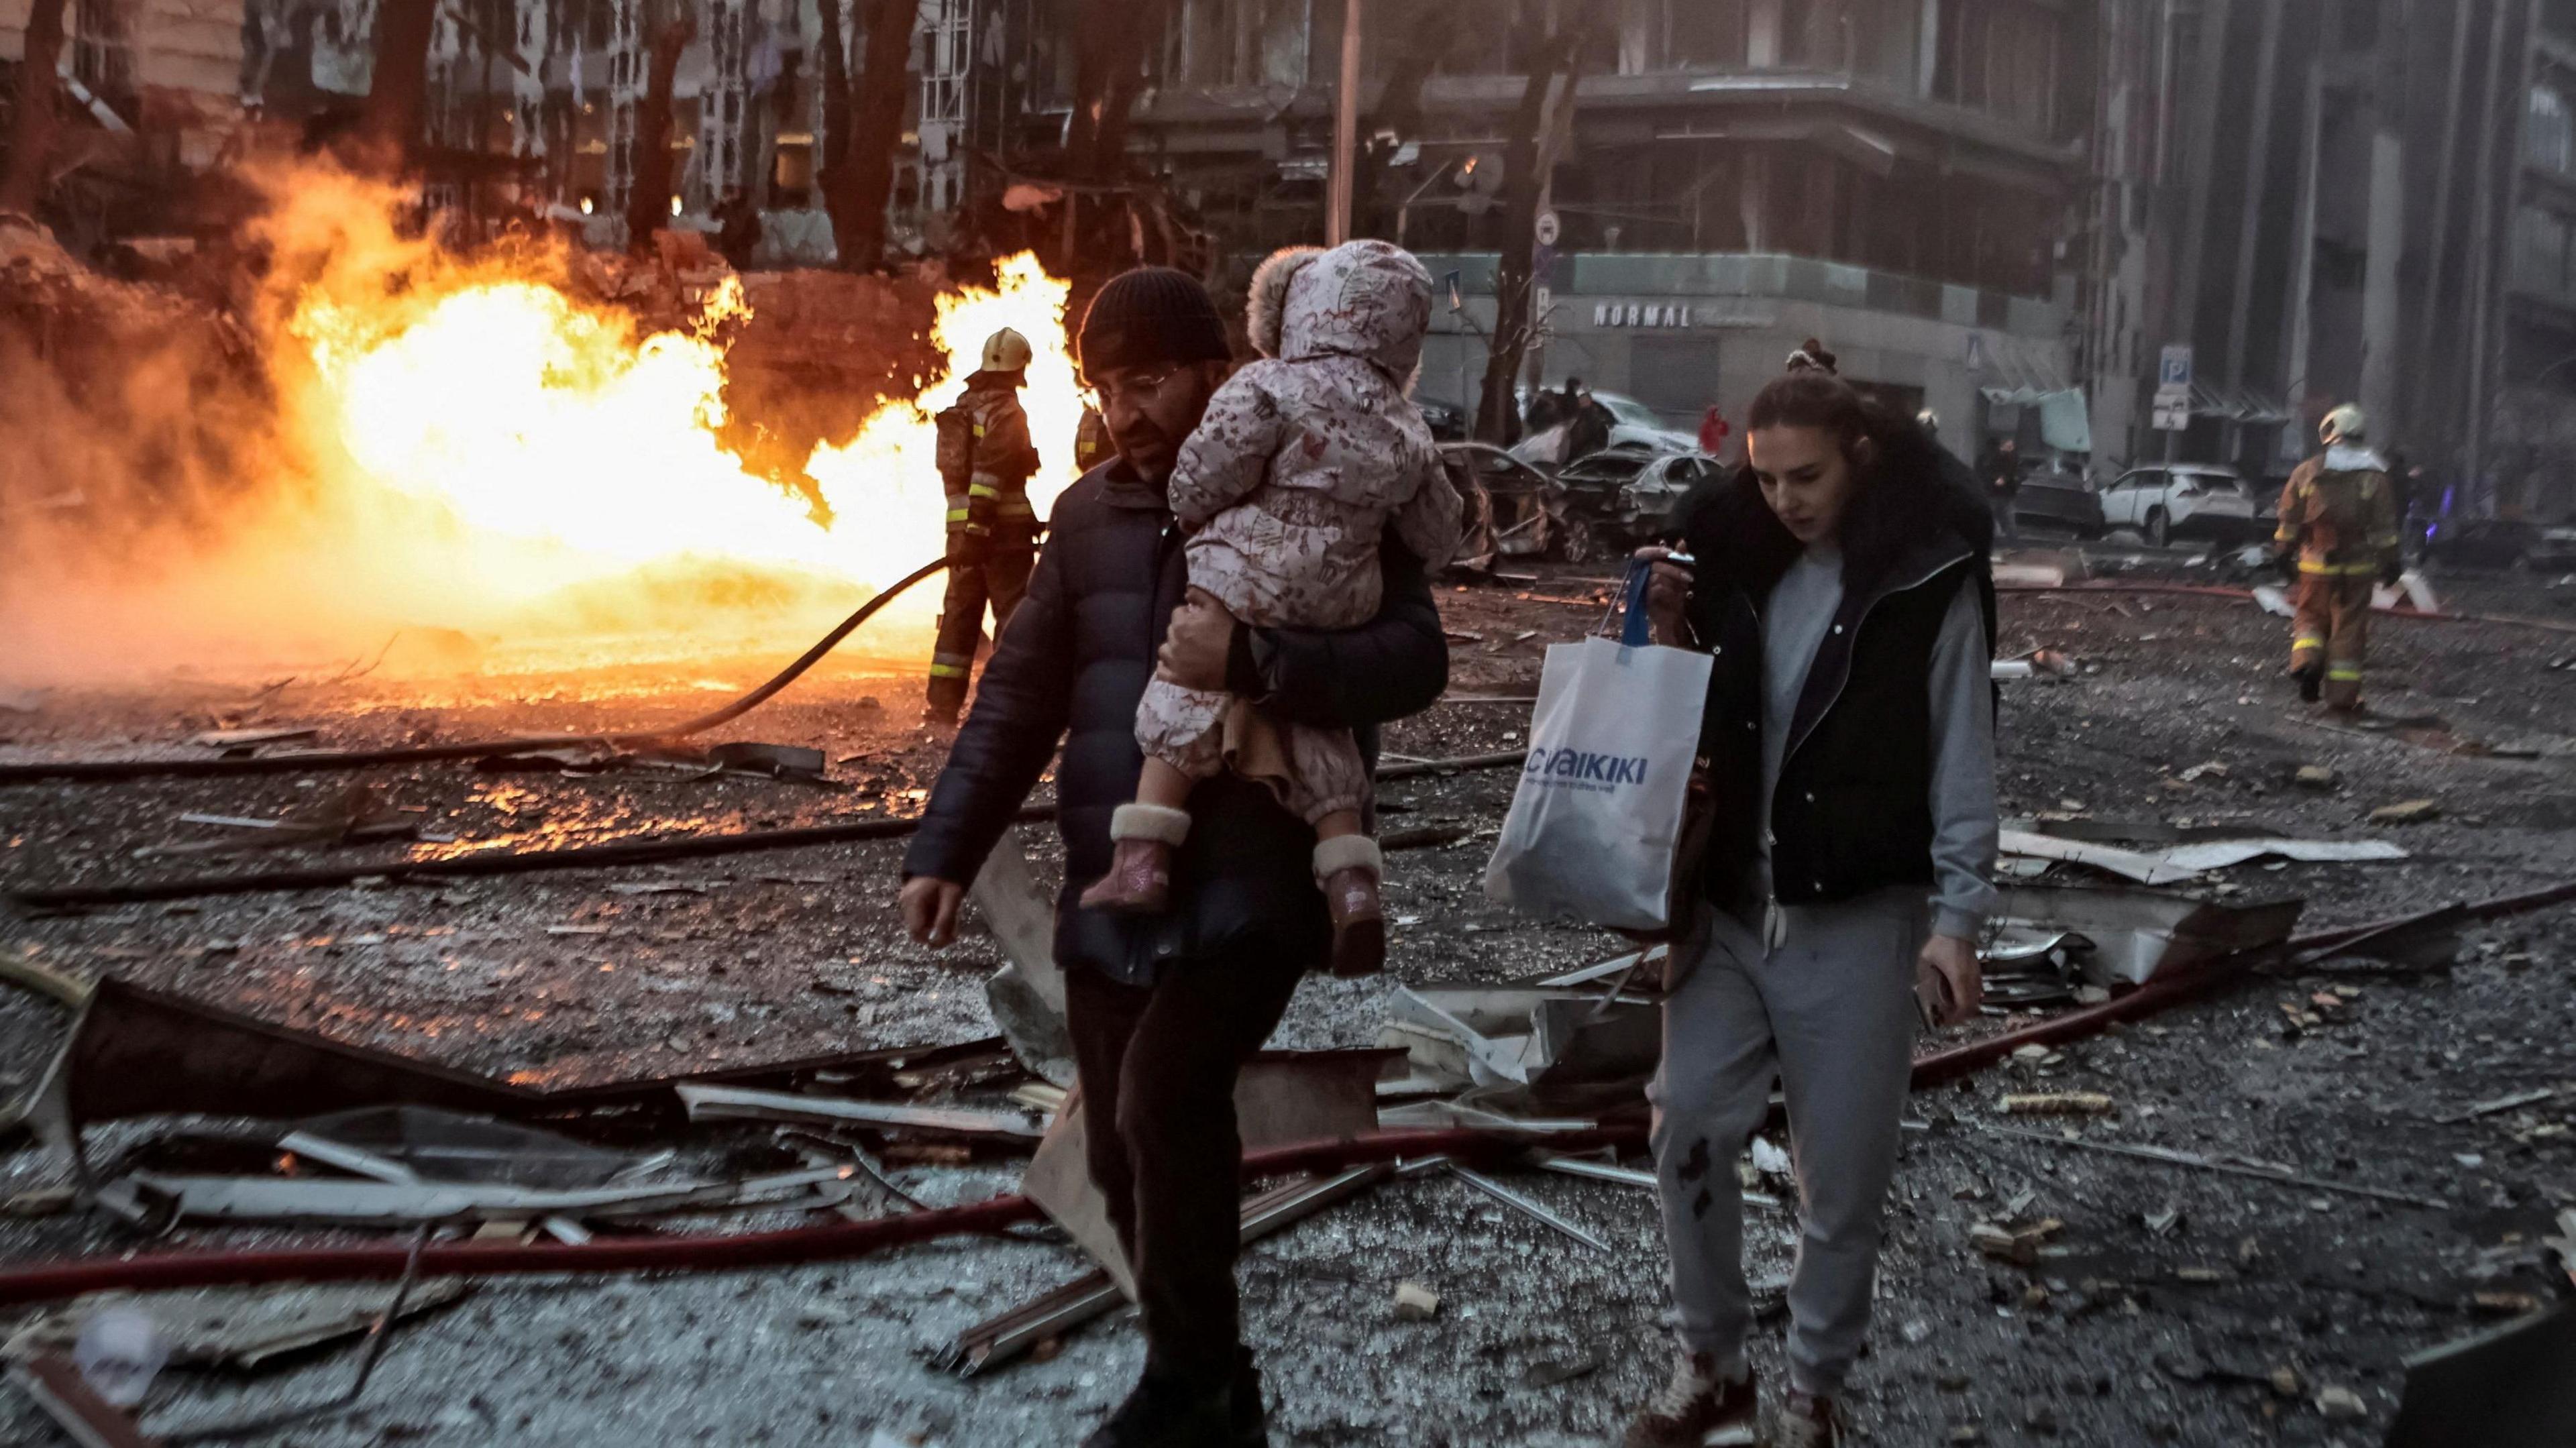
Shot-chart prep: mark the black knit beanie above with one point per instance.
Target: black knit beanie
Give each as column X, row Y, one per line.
column 1149, row 316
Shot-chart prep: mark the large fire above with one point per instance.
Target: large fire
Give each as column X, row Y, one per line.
column 529, row 420
column 466, row 448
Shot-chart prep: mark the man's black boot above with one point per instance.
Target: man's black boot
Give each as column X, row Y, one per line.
column 1251, row 1419
column 1168, row 1411
column 2312, row 682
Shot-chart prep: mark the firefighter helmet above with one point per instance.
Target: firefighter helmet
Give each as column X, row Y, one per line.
column 1005, row 351
column 2345, row 424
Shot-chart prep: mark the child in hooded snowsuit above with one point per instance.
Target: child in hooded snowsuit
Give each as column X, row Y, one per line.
column 1303, row 460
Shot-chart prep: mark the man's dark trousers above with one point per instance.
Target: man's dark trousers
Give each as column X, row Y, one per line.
column 1158, row 1066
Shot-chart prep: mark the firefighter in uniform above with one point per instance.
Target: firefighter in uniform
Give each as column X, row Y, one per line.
column 985, row 459
column 2339, row 533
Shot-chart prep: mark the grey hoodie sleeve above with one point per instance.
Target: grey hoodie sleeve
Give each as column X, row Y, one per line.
column 1963, row 771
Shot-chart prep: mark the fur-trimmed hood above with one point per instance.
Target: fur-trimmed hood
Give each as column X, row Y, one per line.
column 1365, row 299
column 1917, row 504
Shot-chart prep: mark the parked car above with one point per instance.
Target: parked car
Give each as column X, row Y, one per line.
column 2553, row 551
column 1623, row 496
column 1633, row 424
column 2058, row 498
column 1514, row 509
column 2167, row 501
column 2483, row 542
column 1448, row 423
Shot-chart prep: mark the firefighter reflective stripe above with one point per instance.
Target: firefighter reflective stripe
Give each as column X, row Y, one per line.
column 2344, row 673
column 958, row 510
column 983, row 490
column 950, row 666
column 2338, row 570
column 1016, row 508
column 2307, row 641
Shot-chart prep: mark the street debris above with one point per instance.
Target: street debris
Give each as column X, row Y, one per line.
column 2134, row 936
column 239, row 743
column 1415, row 1302
column 239, row 1329
column 2533, row 1097
column 57, row 1387
column 2186, row 858
column 2169, row 1156
column 2511, row 1387
column 1528, row 1208
column 2058, row 1103
column 2314, row 776
column 2413, row 811
column 2021, row 1245
column 1465, row 1035
column 353, row 814
column 731, row 1103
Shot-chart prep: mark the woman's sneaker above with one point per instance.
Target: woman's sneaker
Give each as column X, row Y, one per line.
column 1697, row 1409
column 1806, row 1421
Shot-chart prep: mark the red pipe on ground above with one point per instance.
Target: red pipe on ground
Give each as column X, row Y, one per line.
column 54, row 1280
column 49, row 1281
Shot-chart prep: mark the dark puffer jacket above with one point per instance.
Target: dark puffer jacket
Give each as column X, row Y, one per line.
column 1071, row 666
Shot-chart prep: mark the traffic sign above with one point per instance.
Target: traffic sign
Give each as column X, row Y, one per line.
column 1549, row 228
column 2174, row 369
column 2173, row 409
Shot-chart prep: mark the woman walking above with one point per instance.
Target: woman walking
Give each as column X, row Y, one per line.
column 1842, row 585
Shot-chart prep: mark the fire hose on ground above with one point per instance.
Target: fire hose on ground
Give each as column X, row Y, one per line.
column 102, row 770
column 619, row 855
column 152, row 1271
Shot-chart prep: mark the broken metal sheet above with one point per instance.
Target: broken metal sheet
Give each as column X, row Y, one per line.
column 2220, row 854
column 1281, row 1098
column 147, row 1196
column 83, row 1415
column 240, row 1328
column 1525, row 1035
column 2514, row 1387
column 1436, row 1115
column 427, row 1144
column 1026, row 996
column 2139, row 934
column 1616, row 965
column 135, row 1051
column 2145, row 869
column 734, row 1103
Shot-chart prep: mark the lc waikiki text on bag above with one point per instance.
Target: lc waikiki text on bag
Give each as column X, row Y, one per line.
column 1597, row 818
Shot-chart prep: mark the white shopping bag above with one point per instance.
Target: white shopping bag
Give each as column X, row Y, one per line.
column 1598, row 813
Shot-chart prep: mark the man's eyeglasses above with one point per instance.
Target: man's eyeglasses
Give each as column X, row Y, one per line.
column 1133, row 382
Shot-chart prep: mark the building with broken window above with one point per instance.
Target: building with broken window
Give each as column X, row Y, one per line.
column 1732, row 176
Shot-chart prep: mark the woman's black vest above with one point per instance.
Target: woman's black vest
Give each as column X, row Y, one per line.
column 1853, row 809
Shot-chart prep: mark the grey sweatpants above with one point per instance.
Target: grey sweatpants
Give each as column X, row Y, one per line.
column 1828, row 1009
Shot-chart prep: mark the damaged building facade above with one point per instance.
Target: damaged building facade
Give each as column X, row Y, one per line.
column 546, row 94
column 2364, row 201
column 1732, row 176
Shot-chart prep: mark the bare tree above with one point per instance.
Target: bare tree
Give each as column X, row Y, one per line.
column 1526, row 158
column 31, row 141
column 648, row 199
column 860, row 179
column 1110, row 40
column 398, row 93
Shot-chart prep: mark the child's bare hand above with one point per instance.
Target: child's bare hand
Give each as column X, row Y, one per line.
column 1195, row 647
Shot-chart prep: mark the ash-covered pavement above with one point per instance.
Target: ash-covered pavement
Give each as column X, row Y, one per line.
column 2175, row 1305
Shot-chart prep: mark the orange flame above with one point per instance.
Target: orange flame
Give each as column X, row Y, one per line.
column 466, row 446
